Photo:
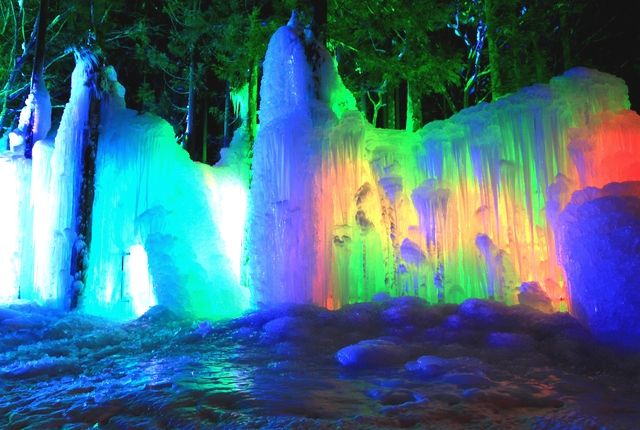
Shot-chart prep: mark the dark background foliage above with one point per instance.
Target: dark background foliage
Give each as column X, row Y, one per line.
column 406, row 62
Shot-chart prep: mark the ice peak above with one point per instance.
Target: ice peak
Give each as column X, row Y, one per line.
column 294, row 21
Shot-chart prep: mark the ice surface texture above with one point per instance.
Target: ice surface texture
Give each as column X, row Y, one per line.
column 159, row 225
column 165, row 230
column 462, row 208
column 599, row 247
column 338, row 210
column 283, row 367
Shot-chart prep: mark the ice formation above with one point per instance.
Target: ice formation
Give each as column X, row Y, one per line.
column 295, row 111
column 35, row 113
column 462, row 208
column 14, row 238
column 598, row 237
column 338, row 211
column 158, row 232
column 165, row 230
column 56, row 182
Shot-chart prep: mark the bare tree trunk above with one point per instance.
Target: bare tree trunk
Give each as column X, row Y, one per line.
column 390, row 108
column 252, row 111
column 80, row 250
column 362, row 103
column 205, row 130
column 377, row 105
column 494, row 55
column 41, row 38
column 191, row 107
column 319, row 22
column 414, row 110
column 92, row 16
column 37, row 74
column 227, row 115
column 449, row 101
column 408, row 123
column 467, row 89
column 565, row 34
column 397, row 105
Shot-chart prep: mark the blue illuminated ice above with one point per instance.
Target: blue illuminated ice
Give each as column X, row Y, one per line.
column 159, row 234
column 598, row 237
column 165, row 230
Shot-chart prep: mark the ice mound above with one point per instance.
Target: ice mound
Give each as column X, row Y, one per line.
column 599, row 247
column 371, row 353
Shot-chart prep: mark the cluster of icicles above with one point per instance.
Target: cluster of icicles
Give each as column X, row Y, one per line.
column 329, row 210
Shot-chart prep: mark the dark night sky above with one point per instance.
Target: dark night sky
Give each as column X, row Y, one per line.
column 611, row 35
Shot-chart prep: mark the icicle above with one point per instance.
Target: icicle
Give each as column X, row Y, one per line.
column 475, row 194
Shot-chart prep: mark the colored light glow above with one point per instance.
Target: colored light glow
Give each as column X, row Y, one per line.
column 340, row 210
column 228, row 202
column 137, row 280
column 484, row 173
column 10, row 229
column 463, row 208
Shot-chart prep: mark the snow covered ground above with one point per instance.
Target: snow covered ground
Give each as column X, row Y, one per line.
column 391, row 363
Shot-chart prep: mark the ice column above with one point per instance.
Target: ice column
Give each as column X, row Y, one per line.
column 165, row 230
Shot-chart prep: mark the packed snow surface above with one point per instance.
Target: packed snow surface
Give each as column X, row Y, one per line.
column 385, row 364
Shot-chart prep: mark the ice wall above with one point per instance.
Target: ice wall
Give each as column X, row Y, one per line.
column 165, row 230
column 15, row 241
column 296, row 109
column 338, row 210
column 462, row 208
column 42, row 194
column 484, row 183
column 284, row 155
column 35, row 226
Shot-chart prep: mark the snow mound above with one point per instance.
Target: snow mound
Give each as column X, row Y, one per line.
column 371, row 353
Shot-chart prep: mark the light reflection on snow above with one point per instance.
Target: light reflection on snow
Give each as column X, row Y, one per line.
column 228, row 200
column 138, row 282
column 408, row 365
